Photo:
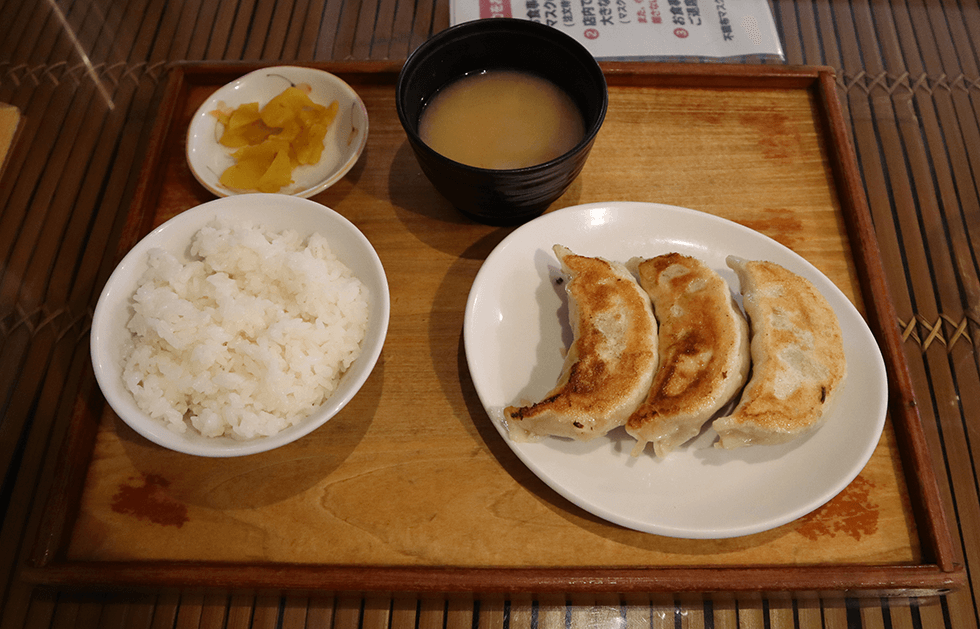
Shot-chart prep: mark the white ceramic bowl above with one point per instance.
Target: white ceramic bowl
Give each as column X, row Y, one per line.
column 342, row 146
column 271, row 211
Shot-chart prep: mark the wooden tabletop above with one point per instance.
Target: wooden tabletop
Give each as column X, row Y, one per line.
column 90, row 78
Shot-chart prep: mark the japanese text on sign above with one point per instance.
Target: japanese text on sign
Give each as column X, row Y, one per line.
column 698, row 29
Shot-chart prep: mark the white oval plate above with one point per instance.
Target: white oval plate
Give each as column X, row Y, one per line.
column 515, row 335
column 342, row 146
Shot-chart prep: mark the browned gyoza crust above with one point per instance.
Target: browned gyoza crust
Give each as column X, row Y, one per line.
column 704, row 351
column 798, row 362
column 612, row 359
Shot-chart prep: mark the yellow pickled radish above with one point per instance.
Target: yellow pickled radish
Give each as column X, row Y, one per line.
column 287, row 132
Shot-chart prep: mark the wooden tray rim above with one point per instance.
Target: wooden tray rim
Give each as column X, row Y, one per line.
column 939, row 573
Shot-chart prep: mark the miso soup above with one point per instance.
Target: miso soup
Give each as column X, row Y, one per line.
column 501, row 119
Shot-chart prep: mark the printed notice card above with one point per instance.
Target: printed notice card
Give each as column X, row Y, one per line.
column 694, row 30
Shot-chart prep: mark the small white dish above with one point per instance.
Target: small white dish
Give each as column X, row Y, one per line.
column 276, row 213
column 515, row 337
column 342, row 146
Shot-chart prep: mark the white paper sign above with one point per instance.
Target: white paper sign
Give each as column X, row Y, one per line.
column 660, row 29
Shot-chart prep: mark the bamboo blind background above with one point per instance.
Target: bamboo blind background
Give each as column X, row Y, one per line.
column 87, row 74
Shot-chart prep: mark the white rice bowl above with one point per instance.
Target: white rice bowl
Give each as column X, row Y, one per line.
column 240, row 325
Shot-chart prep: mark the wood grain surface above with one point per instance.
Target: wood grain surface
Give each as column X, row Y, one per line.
column 89, row 77
column 412, row 474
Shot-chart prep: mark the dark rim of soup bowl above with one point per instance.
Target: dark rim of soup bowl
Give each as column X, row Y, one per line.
column 504, row 43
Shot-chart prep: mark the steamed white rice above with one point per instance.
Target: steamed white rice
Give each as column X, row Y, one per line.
column 248, row 337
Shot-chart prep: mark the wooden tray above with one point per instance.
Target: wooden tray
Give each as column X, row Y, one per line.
column 410, row 488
